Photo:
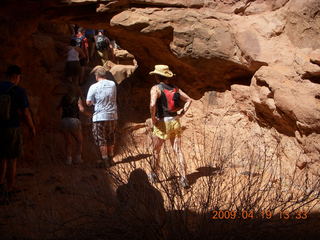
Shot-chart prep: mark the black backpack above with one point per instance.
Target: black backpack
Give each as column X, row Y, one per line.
column 5, row 103
column 101, row 42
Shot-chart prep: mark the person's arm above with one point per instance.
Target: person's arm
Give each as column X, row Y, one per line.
column 154, row 95
column 82, row 108
column 86, row 48
column 81, row 52
column 80, row 105
column 108, row 42
column 90, row 97
column 27, row 115
column 24, row 110
column 184, row 97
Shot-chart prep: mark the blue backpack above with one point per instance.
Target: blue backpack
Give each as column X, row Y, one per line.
column 79, row 40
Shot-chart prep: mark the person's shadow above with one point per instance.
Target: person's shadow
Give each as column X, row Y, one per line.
column 141, row 207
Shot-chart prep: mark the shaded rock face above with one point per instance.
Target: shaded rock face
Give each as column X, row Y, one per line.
column 265, row 52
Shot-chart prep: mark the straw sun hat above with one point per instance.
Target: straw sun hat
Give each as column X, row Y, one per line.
column 162, row 70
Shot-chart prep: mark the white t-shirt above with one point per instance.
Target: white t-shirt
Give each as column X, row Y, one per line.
column 103, row 95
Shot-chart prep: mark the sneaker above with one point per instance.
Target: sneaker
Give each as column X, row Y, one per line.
column 184, row 183
column 152, row 177
column 69, row 160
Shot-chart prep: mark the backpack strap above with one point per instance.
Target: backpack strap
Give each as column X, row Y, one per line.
column 161, row 87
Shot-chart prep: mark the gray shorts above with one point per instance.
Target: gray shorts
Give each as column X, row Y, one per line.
column 70, row 124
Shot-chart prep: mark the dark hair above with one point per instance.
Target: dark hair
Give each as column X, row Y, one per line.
column 13, row 70
column 160, row 78
column 73, row 42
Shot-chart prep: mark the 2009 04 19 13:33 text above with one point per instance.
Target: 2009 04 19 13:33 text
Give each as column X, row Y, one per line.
column 264, row 214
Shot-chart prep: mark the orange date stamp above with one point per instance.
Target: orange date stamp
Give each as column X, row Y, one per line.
column 264, row 214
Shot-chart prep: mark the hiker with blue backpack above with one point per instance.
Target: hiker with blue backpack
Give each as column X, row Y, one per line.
column 14, row 104
column 82, row 42
column 103, row 47
column 166, row 110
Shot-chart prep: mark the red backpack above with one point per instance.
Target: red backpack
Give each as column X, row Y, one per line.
column 172, row 97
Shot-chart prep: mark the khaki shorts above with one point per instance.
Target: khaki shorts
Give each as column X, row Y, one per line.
column 166, row 130
column 104, row 132
column 10, row 143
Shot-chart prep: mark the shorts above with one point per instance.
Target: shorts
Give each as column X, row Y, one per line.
column 70, row 124
column 104, row 132
column 10, row 143
column 83, row 62
column 168, row 129
column 73, row 69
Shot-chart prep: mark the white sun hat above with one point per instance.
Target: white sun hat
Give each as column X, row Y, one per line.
column 162, row 70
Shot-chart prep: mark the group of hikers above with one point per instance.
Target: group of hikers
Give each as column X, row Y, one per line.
column 83, row 45
column 165, row 109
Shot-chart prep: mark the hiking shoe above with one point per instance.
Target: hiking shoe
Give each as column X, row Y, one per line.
column 152, row 177
column 184, row 183
column 69, row 161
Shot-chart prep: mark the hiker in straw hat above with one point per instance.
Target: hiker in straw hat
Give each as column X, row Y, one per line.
column 165, row 114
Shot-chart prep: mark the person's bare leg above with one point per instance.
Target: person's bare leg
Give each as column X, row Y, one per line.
column 11, row 174
column 81, row 79
column 176, row 145
column 106, row 155
column 157, row 144
column 104, row 151
column 68, row 147
column 77, row 135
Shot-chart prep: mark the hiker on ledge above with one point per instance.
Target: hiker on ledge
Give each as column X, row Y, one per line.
column 165, row 115
column 14, row 103
column 103, row 47
column 73, row 67
column 82, row 42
